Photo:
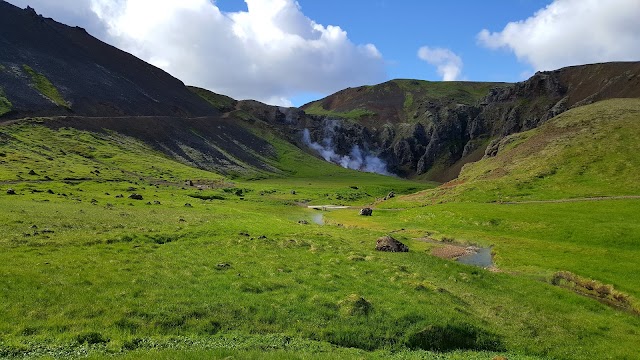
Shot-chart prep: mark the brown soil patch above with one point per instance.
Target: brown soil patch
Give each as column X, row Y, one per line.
column 450, row 252
column 452, row 183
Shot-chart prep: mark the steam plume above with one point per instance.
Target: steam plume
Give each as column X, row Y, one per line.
column 357, row 159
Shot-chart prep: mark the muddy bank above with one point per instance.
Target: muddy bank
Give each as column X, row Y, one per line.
column 470, row 255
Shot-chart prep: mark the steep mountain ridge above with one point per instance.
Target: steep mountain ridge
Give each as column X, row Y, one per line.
column 39, row 56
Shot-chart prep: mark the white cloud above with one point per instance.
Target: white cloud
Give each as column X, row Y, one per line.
column 571, row 32
column 270, row 52
column 448, row 64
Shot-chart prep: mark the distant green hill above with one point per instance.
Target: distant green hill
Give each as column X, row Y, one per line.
column 590, row 151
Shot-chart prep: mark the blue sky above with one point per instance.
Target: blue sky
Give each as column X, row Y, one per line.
column 399, row 28
column 288, row 52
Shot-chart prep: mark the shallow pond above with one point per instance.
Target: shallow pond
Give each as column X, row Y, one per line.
column 318, row 219
column 482, row 258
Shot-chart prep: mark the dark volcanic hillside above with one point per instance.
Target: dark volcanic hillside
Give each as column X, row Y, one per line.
column 48, row 68
column 433, row 128
column 72, row 79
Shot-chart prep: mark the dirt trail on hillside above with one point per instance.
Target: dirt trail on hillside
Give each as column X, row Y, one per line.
column 600, row 198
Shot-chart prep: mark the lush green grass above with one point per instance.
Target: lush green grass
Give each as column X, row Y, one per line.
column 237, row 273
column 5, row 104
column 69, row 154
column 460, row 91
column 589, row 151
column 593, row 239
column 355, row 114
column 45, row 87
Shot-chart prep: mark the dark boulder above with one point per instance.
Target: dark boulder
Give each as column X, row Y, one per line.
column 389, row 244
column 135, row 197
column 11, row 192
column 366, row 212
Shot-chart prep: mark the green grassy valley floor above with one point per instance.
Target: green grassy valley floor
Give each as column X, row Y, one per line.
column 233, row 268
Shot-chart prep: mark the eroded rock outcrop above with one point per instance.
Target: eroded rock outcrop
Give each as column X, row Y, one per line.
column 389, row 244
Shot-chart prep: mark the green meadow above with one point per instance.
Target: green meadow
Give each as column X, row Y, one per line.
column 233, row 267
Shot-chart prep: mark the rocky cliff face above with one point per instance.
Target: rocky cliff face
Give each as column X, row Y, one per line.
column 430, row 130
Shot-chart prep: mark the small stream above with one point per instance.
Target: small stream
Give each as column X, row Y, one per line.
column 482, row 258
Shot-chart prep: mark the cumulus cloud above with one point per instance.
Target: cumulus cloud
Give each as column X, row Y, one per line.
column 571, row 32
column 448, row 64
column 270, row 52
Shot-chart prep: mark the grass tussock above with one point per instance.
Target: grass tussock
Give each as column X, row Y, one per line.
column 595, row 288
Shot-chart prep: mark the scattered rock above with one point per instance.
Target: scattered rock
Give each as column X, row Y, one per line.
column 50, row 192
column 182, row 220
column 366, row 212
column 390, row 195
column 34, row 226
column 389, row 244
column 31, row 172
column 135, row 197
column 120, row 196
column 47, row 231
column 262, row 237
column 293, row 192
column 303, row 222
column 188, row 205
column 188, row 183
column 223, row 266
column 148, row 203
column 11, row 192
column 354, row 187
column 131, row 188
column 156, row 202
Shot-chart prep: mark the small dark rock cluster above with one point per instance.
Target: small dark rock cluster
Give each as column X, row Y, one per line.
column 135, row 197
column 389, row 244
